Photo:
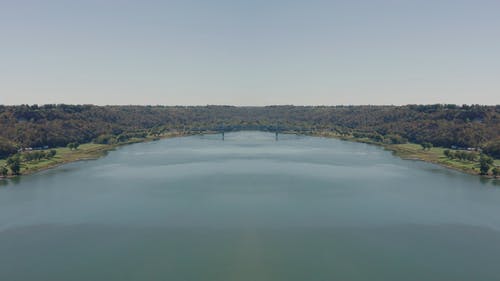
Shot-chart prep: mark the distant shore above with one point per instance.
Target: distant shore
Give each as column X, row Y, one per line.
column 87, row 151
column 412, row 151
column 91, row 151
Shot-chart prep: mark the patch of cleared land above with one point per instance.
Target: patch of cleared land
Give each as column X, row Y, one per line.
column 65, row 155
column 415, row 152
column 87, row 151
column 411, row 151
column 434, row 155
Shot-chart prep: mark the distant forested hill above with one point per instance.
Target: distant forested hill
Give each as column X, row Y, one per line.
column 441, row 125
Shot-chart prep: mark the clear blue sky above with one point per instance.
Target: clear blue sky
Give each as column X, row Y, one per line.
column 250, row 52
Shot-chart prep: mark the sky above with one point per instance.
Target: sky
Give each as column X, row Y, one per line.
column 258, row 52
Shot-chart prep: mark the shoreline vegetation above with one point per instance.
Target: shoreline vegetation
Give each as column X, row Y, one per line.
column 465, row 137
column 84, row 152
column 93, row 151
column 416, row 152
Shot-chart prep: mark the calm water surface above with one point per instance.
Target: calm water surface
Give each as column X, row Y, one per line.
column 250, row 208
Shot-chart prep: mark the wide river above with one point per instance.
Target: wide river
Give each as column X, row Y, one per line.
column 250, row 208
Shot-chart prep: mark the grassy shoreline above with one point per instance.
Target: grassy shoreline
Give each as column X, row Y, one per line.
column 408, row 151
column 412, row 151
column 87, row 151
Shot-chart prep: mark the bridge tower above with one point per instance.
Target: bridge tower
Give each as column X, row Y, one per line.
column 276, row 131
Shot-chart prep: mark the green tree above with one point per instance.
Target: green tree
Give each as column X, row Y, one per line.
column 122, row 138
column 3, row 171
column 6, row 148
column 485, row 163
column 462, row 155
column 471, row 156
column 105, row 139
column 34, row 156
column 14, row 164
column 493, row 148
column 448, row 153
column 51, row 153
column 426, row 145
column 496, row 171
column 73, row 145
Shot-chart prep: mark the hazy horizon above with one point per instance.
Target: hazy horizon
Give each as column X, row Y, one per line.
column 250, row 53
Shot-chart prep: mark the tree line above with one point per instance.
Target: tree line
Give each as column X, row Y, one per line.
column 437, row 125
column 13, row 163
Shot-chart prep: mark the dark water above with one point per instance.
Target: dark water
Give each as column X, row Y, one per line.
column 250, row 208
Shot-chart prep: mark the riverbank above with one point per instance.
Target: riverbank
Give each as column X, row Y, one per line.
column 87, row 151
column 408, row 151
column 412, row 151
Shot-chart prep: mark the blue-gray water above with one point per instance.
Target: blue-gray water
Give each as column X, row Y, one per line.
column 250, row 208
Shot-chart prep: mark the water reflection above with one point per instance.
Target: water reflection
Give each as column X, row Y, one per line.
column 249, row 208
